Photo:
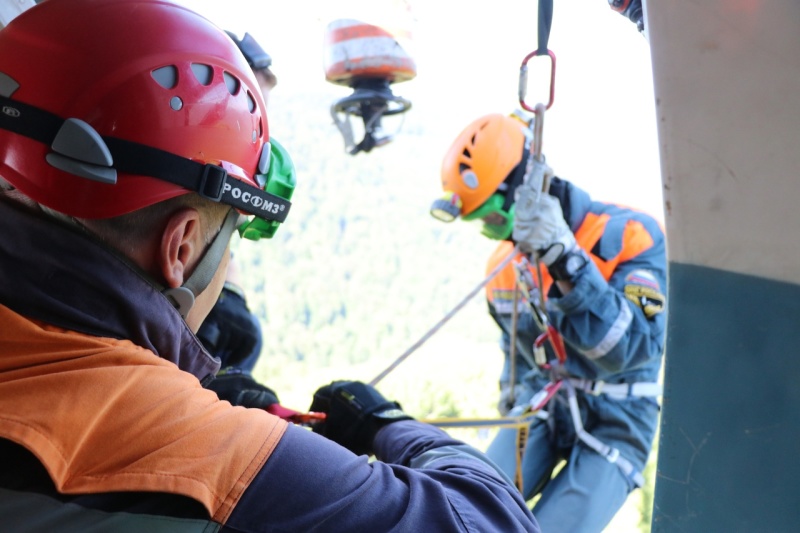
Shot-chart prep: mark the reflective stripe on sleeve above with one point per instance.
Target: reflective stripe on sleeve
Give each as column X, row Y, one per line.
column 615, row 333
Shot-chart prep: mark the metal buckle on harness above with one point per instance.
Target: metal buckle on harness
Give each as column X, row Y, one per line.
column 612, row 455
column 595, row 388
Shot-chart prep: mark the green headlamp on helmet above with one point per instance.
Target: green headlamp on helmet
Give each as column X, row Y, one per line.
column 497, row 222
column 280, row 180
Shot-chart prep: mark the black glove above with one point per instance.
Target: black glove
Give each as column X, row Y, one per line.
column 356, row 411
column 233, row 385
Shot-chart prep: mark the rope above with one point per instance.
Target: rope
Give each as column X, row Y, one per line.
column 520, row 422
column 512, row 421
column 445, row 319
column 512, row 351
column 611, row 454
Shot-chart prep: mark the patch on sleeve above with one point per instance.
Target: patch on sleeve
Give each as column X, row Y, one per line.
column 642, row 288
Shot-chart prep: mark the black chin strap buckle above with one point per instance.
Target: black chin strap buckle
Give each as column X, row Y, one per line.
column 212, row 182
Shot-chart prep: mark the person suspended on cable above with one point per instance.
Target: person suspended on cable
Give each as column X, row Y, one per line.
column 603, row 283
column 134, row 142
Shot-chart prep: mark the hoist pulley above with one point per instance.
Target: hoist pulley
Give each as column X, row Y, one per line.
column 368, row 59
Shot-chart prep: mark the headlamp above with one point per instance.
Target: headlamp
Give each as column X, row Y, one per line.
column 280, row 180
column 447, row 208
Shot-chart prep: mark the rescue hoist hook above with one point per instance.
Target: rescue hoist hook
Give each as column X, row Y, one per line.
column 368, row 59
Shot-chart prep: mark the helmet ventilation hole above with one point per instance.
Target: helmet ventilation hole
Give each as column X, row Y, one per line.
column 231, row 83
column 203, row 73
column 167, row 76
column 251, row 102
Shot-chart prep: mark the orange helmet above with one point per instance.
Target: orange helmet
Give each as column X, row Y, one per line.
column 482, row 157
column 486, row 159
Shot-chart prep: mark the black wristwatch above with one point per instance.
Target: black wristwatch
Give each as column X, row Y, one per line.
column 568, row 265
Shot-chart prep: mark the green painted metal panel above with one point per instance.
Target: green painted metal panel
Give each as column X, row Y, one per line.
column 730, row 428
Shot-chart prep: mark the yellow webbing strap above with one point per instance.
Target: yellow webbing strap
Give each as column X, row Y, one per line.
column 520, row 422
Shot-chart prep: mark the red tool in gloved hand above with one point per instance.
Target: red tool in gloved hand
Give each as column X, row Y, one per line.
column 309, row 419
column 239, row 388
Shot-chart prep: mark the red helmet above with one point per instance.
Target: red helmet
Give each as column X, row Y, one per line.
column 113, row 105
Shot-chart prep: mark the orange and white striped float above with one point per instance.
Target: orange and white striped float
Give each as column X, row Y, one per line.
column 355, row 50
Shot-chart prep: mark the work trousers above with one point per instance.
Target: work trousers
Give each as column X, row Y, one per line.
column 588, row 491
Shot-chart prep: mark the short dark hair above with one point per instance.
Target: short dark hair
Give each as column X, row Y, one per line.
column 126, row 232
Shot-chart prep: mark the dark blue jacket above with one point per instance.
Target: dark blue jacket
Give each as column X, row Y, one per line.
column 104, row 424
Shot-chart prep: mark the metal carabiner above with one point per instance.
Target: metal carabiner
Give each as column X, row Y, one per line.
column 541, row 398
column 550, row 334
column 523, row 79
column 557, row 342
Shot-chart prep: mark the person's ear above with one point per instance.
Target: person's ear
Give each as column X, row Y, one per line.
column 181, row 246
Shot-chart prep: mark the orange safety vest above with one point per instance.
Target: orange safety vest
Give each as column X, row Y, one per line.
column 635, row 240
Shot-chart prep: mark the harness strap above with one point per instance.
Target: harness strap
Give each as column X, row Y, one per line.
column 612, row 454
column 618, row 391
column 522, row 440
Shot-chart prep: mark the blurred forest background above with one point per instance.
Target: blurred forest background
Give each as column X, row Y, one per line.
column 360, row 271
